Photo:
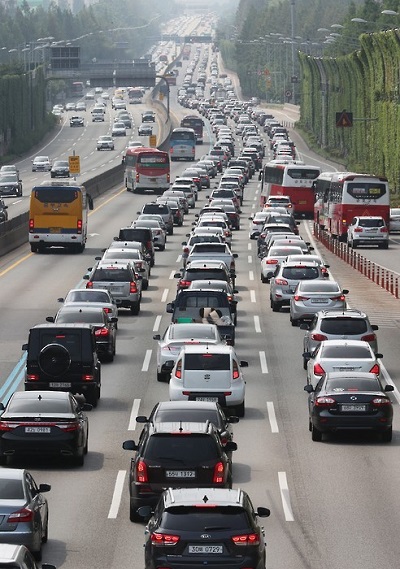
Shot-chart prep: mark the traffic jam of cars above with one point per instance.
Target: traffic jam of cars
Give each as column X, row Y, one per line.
column 181, row 473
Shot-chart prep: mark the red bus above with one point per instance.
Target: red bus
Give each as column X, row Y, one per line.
column 340, row 196
column 146, row 169
column 196, row 123
column 77, row 89
column 290, row 178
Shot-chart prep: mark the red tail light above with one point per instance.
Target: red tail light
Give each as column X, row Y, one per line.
column 246, row 539
column 6, row 426
column 32, row 377
column 184, row 284
column 89, row 284
column 375, row 369
column 168, row 177
column 31, row 225
column 164, row 539
column 381, row 401
column 107, row 310
column 102, row 332
column 178, row 371
column 318, row 337
column 132, row 287
column 318, row 369
column 358, row 230
column 341, row 297
column 236, row 372
column 87, row 377
column 137, row 176
column 282, row 282
column 186, row 250
column 369, row 338
column 232, row 266
column 324, row 402
column 219, row 470
column 272, row 261
column 383, row 230
column 23, row 515
column 297, row 297
column 141, row 471
column 68, row 427
column 79, row 226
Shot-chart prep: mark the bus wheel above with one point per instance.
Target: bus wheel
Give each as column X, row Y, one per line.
column 78, row 248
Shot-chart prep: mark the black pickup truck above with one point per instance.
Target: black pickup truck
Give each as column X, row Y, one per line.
column 208, row 306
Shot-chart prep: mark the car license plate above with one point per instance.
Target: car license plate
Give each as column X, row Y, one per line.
column 355, row 408
column 345, row 369
column 37, row 430
column 208, row 399
column 206, row 549
column 153, row 179
column 55, row 229
column 59, row 384
column 318, row 301
column 180, row 473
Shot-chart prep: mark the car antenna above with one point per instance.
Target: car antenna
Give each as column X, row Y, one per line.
column 39, row 397
column 205, row 499
column 180, row 426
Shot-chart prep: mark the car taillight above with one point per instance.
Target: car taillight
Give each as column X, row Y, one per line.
column 186, row 250
column 137, row 176
column 87, row 377
column 184, row 284
column 272, row 261
column 68, row 427
column 381, row 401
column 369, row 338
column 31, row 225
column 79, row 226
column 297, row 297
column 375, row 369
column 282, row 282
column 318, row 369
column 235, row 371
column 107, row 310
column 246, row 539
column 141, row 471
column 168, row 177
column 325, row 402
column 219, row 470
column 102, row 332
column 358, row 230
column 89, row 284
column 32, row 377
column 132, row 287
column 318, row 337
column 23, row 515
column 232, row 268
column 178, row 371
column 341, row 297
column 6, row 426
column 158, row 538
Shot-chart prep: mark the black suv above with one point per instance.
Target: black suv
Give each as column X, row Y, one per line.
column 142, row 235
column 213, row 528
column 176, row 454
column 63, row 358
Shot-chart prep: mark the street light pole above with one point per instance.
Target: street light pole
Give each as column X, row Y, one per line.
column 292, row 19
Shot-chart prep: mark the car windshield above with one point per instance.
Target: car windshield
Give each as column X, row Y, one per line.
column 111, row 275
column 344, row 326
column 345, row 352
column 192, row 414
column 92, row 317
column 371, row 223
column 353, row 384
column 207, row 361
column 11, row 489
column 201, row 331
column 300, row 273
column 181, row 448
column 320, row 287
column 201, row 518
column 88, row 296
column 39, row 405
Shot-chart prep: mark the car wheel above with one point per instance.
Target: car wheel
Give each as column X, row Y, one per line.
column 162, row 377
column 275, row 306
column 305, row 363
column 133, row 515
column 161, row 248
column 93, row 396
column 79, row 457
column 316, row 434
column 387, row 435
column 145, row 284
column 294, row 322
column 34, row 248
column 263, row 279
column 309, row 425
column 239, row 410
column 135, row 308
column 354, row 244
column 38, row 554
column 54, row 360
column 384, row 246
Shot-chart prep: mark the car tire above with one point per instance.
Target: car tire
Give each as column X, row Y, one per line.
column 92, row 397
column 133, row 515
column 79, row 457
column 240, row 410
column 161, row 248
column 263, row 279
column 145, row 284
column 316, row 434
column 135, row 308
column 384, row 246
column 354, row 244
column 34, row 248
column 309, row 425
column 275, row 306
column 37, row 554
column 305, row 363
column 294, row 322
column 387, row 435
column 162, row 377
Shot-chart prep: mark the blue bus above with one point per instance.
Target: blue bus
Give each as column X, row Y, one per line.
column 182, row 144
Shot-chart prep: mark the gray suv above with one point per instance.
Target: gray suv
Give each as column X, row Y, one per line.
column 160, row 209
column 286, row 278
column 120, row 279
column 349, row 324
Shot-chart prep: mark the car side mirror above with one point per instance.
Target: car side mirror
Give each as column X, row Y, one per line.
column 169, row 364
column 263, row 512
column 142, row 419
column 307, row 355
column 244, row 363
column 144, row 512
column 389, row 388
column 375, row 327
column 169, row 308
column 309, row 388
column 97, row 258
column 129, row 445
column 230, row 446
column 345, row 291
column 24, row 347
column 235, row 255
column 184, row 243
column 157, row 337
column 50, row 319
column 177, row 275
column 44, row 488
column 380, row 356
column 60, row 299
column 85, row 277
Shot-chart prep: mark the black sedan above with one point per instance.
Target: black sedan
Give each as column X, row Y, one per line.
column 349, row 401
column 49, row 423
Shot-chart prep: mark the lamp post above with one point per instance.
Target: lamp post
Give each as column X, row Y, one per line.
column 294, row 78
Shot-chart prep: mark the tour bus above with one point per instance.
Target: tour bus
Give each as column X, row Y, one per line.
column 340, row 196
column 182, row 144
column 58, row 216
column 77, row 89
column 146, row 169
column 293, row 179
column 196, row 123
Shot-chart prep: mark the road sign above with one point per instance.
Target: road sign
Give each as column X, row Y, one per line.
column 153, row 140
column 74, row 165
column 344, row 119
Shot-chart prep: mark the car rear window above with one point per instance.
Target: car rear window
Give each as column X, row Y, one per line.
column 202, row 519
column 11, row 489
column 196, row 300
column 135, row 234
column 206, row 248
column 300, row 273
column 207, row 361
column 371, row 223
column 320, row 287
column 88, row 296
column 39, row 405
column 91, row 317
column 181, row 448
column 344, row 326
column 111, row 275
column 345, row 351
column 200, row 332
column 190, row 415
column 353, row 384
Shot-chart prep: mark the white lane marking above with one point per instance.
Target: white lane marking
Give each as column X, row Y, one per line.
column 134, row 414
column 257, row 324
column 251, row 276
column 146, row 361
column 287, row 508
column 263, row 362
column 165, row 295
column 249, row 246
column 253, row 296
column 249, row 259
column 389, row 381
column 157, row 323
column 272, row 417
column 253, row 206
column 117, row 495
column 255, row 197
column 171, row 275
column 179, row 259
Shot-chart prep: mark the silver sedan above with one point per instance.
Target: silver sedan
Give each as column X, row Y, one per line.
column 312, row 296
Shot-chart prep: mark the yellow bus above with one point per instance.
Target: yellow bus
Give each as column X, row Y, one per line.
column 58, row 216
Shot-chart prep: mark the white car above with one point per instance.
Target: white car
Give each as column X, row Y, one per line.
column 209, row 373
column 92, row 297
column 368, row 230
column 178, row 335
column 41, row 164
column 341, row 355
column 118, row 129
column 394, row 221
column 105, row 142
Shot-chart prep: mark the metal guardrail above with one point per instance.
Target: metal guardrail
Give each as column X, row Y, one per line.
column 383, row 277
